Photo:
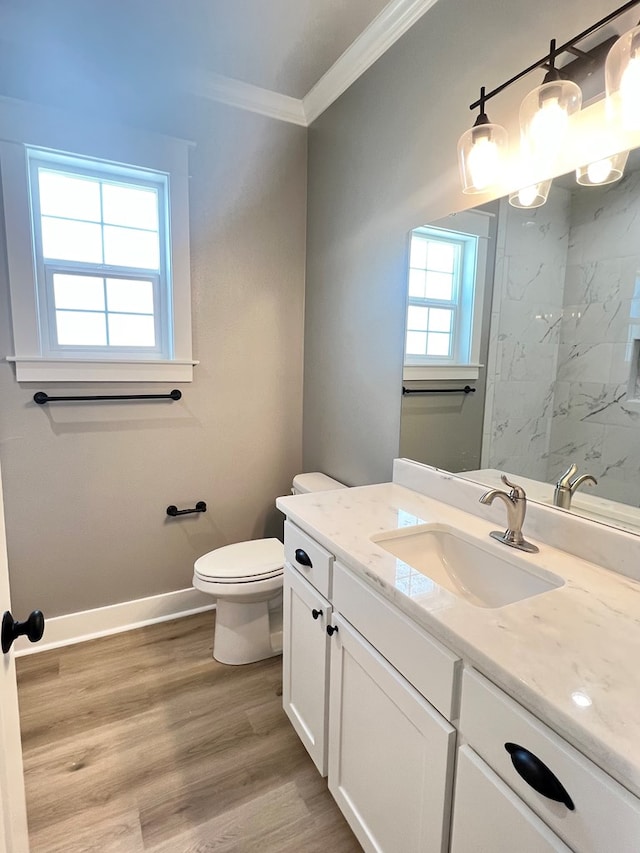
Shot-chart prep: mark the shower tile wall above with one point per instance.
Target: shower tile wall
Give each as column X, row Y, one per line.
column 531, row 255
column 594, row 423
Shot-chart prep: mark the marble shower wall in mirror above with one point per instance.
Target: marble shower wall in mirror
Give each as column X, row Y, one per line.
column 562, row 362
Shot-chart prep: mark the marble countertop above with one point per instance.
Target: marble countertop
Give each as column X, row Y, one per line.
column 570, row 655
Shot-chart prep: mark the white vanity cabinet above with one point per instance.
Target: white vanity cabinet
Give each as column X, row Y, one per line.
column 547, row 777
column 388, row 712
column 390, row 752
column 305, row 670
column 306, row 615
column 489, row 818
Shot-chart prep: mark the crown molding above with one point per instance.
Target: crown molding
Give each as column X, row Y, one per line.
column 236, row 93
column 392, row 23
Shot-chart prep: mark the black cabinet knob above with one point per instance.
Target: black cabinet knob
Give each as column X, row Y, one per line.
column 303, row 558
column 316, row 613
column 537, row 774
column 332, row 629
column 12, row 629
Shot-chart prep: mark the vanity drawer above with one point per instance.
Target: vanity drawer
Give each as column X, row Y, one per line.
column 426, row 664
column 309, row 558
column 606, row 816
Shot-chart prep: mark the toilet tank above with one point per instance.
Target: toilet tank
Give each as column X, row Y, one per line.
column 314, row 482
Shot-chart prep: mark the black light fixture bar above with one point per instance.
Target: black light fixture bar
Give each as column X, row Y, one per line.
column 567, row 46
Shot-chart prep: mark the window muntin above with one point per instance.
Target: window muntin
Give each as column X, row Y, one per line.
column 101, row 255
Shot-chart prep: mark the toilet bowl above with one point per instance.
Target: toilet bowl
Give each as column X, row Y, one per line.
column 246, row 579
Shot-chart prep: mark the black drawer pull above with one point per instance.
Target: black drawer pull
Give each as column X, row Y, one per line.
column 538, row 775
column 332, row 629
column 303, row 558
column 316, row 613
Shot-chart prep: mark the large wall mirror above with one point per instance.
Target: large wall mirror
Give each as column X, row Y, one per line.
column 560, row 385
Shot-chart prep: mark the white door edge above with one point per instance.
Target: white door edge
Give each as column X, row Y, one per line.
column 13, row 813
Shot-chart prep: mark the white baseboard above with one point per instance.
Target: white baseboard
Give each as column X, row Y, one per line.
column 91, row 624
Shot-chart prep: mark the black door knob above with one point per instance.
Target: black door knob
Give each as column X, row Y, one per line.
column 332, row 629
column 316, row 613
column 11, row 629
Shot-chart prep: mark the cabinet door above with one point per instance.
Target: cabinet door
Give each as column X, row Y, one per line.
column 390, row 752
column 305, row 658
column 489, row 818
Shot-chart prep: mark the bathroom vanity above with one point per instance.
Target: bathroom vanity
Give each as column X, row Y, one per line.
column 492, row 711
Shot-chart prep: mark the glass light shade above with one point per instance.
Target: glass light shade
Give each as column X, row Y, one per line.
column 604, row 171
column 622, row 76
column 535, row 195
column 544, row 119
column 480, row 156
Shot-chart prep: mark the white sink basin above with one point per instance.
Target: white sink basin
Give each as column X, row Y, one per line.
column 477, row 571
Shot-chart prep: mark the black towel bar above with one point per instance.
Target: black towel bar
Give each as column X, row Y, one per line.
column 466, row 390
column 41, row 397
column 173, row 510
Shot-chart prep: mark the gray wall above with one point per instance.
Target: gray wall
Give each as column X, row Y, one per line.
column 382, row 160
column 86, row 486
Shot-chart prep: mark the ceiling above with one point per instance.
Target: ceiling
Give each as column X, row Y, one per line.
column 288, row 59
column 284, row 46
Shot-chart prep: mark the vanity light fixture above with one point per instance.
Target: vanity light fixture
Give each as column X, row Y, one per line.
column 480, row 152
column 622, row 78
column 604, row 171
column 535, row 195
column 545, row 113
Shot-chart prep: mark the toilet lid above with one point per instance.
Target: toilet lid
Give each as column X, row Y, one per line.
column 243, row 561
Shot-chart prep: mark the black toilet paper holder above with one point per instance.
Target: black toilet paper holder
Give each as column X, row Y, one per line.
column 173, row 510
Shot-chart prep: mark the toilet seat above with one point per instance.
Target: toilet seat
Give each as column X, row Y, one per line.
column 242, row 562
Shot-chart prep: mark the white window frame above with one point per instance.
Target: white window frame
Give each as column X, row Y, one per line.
column 464, row 257
column 471, row 229
column 26, row 126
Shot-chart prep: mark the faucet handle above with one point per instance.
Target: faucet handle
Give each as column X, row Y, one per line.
column 517, row 492
column 564, row 482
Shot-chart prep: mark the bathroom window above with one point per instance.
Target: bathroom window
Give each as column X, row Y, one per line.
column 435, row 272
column 444, row 304
column 97, row 254
column 100, row 240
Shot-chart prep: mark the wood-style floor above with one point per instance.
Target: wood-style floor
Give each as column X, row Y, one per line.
column 142, row 742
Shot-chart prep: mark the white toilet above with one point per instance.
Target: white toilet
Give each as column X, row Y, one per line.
column 246, row 579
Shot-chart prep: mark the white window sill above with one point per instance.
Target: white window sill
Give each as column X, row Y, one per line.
column 441, row 371
column 33, row 369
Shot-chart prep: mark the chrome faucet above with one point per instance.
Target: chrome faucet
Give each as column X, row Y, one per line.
column 516, row 503
column 566, row 486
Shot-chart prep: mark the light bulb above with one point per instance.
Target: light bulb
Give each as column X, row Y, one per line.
column 630, row 94
column 527, row 195
column 599, row 171
column 603, row 171
column 480, row 153
column 531, row 195
column 548, row 125
column 483, row 162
